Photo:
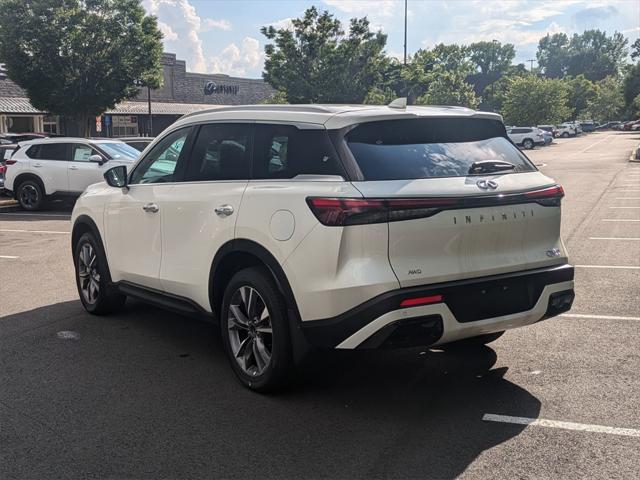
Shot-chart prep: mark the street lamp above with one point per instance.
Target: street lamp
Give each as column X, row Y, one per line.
column 405, row 32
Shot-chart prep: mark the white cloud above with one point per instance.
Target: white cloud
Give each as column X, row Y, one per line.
column 234, row 60
column 211, row 24
column 286, row 23
column 361, row 8
column 167, row 32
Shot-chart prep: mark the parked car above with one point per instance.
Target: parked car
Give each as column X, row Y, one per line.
column 61, row 166
column 548, row 137
column 526, row 137
column 334, row 226
column 6, row 149
column 549, row 128
column 139, row 143
column 566, row 130
column 21, row 137
column 609, row 126
column 588, row 127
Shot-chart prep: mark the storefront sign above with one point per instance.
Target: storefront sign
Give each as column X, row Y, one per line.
column 211, row 87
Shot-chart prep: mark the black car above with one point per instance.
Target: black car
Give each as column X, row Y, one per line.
column 588, row 126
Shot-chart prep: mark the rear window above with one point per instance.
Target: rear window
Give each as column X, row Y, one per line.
column 429, row 148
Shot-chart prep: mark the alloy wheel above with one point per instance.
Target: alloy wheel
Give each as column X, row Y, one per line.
column 88, row 273
column 29, row 196
column 250, row 331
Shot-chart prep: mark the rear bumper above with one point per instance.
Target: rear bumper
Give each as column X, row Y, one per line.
column 468, row 308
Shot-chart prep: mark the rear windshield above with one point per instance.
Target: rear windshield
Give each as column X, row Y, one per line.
column 428, row 148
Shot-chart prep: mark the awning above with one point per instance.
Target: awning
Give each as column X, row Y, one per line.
column 17, row 105
column 158, row 108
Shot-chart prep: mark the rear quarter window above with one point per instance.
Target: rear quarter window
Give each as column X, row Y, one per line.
column 429, row 148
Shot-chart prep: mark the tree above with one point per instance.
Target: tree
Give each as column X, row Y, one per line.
column 607, row 101
column 595, row 55
column 635, row 50
column 318, row 62
column 494, row 94
column 553, row 54
column 532, row 100
column 491, row 60
column 631, row 83
column 79, row 58
column 580, row 91
column 449, row 88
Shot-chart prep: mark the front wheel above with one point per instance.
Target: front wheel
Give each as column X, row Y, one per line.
column 92, row 278
column 30, row 195
column 255, row 330
column 565, row 135
column 528, row 144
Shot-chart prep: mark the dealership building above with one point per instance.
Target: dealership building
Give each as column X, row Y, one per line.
column 182, row 92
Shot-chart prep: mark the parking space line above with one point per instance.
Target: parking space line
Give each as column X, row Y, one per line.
column 598, row 317
column 632, row 190
column 33, row 231
column 580, row 427
column 623, row 267
column 624, row 207
column 593, row 145
column 9, row 257
column 621, row 220
column 635, row 239
column 627, row 198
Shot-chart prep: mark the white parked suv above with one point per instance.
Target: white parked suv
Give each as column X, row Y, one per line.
column 332, row 226
column 61, row 166
column 526, row 137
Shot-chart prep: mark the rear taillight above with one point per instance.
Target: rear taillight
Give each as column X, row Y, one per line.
column 3, row 169
column 414, row 302
column 341, row 212
column 10, row 162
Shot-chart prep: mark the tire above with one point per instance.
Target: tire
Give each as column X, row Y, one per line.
column 528, row 144
column 92, row 271
column 255, row 331
column 565, row 135
column 473, row 342
column 30, row 195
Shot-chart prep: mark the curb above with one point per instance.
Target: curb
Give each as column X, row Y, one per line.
column 9, row 206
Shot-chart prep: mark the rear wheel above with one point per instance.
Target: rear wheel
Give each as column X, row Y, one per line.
column 473, row 342
column 92, row 278
column 255, row 330
column 528, row 144
column 30, row 195
column 565, row 135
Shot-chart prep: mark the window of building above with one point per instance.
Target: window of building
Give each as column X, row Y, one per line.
column 221, row 152
column 51, row 124
column 284, row 151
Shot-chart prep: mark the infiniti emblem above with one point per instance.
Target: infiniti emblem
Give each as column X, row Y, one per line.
column 486, row 184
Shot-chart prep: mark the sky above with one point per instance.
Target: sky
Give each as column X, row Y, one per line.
column 223, row 36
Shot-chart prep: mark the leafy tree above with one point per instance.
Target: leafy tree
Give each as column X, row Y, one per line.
column 79, row 58
column 449, row 88
column 379, row 96
column 318, row 62
column 491, row 60
column 635, row 49
column 494, row 94
column 636, row 106
column 631, row 83
column 553, row 54
column 580, row 91
column 595, row 55
column 530, row 100
column 607, row 101
column 278, row 97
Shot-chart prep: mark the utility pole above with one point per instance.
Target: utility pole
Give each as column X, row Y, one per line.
column 150, row 127
column 405, row 32
column 531, row 60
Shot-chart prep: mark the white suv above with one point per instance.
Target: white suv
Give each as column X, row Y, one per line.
column 331, row 226
column 527, row 137
column 61, row 166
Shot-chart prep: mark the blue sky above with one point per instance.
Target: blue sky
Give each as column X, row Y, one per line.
column 223, row 36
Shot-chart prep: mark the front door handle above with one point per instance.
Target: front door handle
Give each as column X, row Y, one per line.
column 151, row 208
column 73, row 167
column 224, row 210
column 37, row 164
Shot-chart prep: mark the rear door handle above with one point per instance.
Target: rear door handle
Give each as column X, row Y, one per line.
column 73, row 167
column 37, row 164
column 151, row 208
column 224, row 210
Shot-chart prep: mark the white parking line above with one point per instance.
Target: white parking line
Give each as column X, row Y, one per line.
column 627, row 198
column 598, row 317
column 621, row 220
column 615, row 238
column 9, row 257
column 580, row 427
column 624, row 207
column 623, row 267
column 632, row 190
column 592, row 145
column 33, row 231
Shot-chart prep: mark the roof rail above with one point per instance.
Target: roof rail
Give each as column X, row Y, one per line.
column 241, row 108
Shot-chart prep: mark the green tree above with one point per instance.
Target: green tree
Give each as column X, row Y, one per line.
column 608, row 100
column 580, row 91
column 494, row 94
column 631, row 83
column 531, row 100
column 596, row 55
column 449, row 88
column 491, row 60
column 635, row 50
column 79, row 58
column 318, row 62
column 553, row 54
column 636, row 107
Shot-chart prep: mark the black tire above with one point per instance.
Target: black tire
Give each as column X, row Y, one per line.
column 30, row 195
column 565, row 135
column 473, row 342
column 255, row 373
column 107, row 299
column 528, row 144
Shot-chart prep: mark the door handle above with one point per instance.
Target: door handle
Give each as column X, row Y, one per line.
column 73, row 167
column 224, row 210
column 37, row 164
column 151, row 208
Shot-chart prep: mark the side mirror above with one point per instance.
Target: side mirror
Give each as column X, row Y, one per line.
column 97, row 159
column 117, row 177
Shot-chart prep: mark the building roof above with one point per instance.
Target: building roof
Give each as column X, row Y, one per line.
column 157, row 108
column 17, row 105
column 332, row 116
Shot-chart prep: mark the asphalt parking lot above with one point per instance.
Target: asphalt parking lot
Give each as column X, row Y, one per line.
column 148, row 394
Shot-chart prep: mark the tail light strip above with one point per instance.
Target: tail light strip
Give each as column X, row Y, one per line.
column 338, row 212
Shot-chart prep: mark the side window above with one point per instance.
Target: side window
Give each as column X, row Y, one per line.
column 81, row 153
column 284, row 151
column 161, row 164
column 33, row 151
column 221, row 152
column 53, row 151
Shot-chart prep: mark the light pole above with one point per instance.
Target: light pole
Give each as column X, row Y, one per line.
column 405, row 32
column 150, row 117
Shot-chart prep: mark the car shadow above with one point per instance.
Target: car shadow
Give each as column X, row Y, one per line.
column 148, row 394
